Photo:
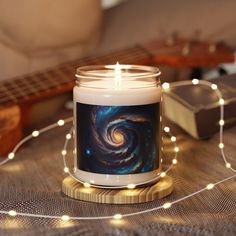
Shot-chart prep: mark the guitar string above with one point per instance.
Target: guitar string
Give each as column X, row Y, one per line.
column 126, row 54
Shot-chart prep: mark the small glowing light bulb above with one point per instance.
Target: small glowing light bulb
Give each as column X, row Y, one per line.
column 87, row 185
column 167, row 129
column 174, row 161
column 214, row 86
column 195, row 81
column 165, row 86
column 65, row 217
column 66, row 169
column 68, row 136
column 228, row 165
column 221, row 122
column 35, row 133
column 61, row 122
column 167, row 205
column 221, row 145
column 117, row 216
column 11, row 155
column 210, row 186
column 221, row 101
column 163, row 174
column 176, row 149
column 63, row 152
column 173, row 138
column 12, row 213
column 131, row 186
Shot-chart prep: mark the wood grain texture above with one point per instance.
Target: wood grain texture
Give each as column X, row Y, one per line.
column 76, row 190
column 10, row 128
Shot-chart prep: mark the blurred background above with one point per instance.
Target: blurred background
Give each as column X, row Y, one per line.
column 39, row 34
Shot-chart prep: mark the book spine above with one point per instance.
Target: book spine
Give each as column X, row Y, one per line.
column 208, row 120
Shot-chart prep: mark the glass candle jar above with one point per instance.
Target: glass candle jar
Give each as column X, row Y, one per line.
column 117, row 114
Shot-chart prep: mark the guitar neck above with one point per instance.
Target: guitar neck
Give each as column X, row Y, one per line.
column 39, row 85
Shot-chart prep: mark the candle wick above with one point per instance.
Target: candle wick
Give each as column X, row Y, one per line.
column 117, row 76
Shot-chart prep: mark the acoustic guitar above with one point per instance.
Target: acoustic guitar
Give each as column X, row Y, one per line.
column 18, row 95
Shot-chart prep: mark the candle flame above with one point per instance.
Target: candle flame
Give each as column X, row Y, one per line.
column 117, row 71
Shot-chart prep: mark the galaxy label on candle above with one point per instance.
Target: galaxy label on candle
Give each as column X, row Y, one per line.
column 118, row 139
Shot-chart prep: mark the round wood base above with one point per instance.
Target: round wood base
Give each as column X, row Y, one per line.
column 158, row 190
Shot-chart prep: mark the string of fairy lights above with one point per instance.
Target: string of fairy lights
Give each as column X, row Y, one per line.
column 118, row 216
column 131, row 185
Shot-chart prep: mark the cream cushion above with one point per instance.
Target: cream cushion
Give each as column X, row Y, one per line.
column 41, row 33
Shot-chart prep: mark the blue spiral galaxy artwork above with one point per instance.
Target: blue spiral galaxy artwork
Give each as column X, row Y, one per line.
column 118, row 139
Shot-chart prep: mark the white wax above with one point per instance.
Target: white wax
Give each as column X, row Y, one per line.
column 115, row 93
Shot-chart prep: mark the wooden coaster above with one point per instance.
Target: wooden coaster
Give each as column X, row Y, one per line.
column 76, row 190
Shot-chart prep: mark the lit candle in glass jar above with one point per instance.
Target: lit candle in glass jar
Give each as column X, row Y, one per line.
column 117, row 124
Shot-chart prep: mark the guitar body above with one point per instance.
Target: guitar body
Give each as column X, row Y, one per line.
column 14, row 119
column 19, row 95
column 10, row 128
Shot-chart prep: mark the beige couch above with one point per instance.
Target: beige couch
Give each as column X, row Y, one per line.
column 40, row 34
